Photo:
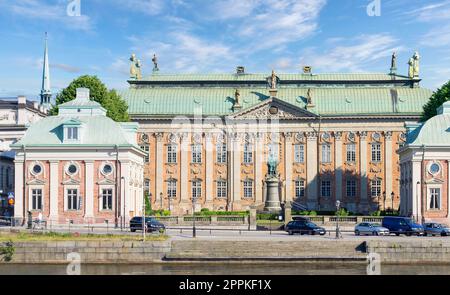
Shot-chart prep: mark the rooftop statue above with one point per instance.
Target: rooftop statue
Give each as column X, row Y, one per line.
column 237, row 96
column 273, row 83
column 394, row 61
column 138, row 69
column 414, row 66
column 133, row 69
column 272, row 164
column 155, row 63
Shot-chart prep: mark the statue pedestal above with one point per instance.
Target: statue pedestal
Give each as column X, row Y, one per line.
column 273, row 204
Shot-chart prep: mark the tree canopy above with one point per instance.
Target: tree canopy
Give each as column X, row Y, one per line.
column 437, row 99
column 116, row 107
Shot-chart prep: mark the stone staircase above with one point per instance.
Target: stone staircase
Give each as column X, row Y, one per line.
column 298, row 207
column 204, row 250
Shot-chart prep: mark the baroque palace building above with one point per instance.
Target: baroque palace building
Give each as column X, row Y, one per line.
column 209, row 137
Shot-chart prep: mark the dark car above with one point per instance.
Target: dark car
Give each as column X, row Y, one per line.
column 150, row 223
column 304, row 227
column 402, row 225
column 435, row 229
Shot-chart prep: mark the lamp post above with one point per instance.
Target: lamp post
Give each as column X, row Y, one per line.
column 168, row 200
column 143, row 220
column 384, row 201
column 161, row 199
column 417, row 201
column 338, row 204
column 392, row 201
column 194, row 234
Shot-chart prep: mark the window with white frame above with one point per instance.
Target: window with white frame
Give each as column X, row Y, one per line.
column 376, row 152
column 248, row 188
column 434, row 199
column 147, row 186
column 221, row 150
column 196, row 153
column 299, row 188
column 172, row 153
column 221, row 189
column 375, row 188
column 107, row 199
column 326, row 153
column 351, row 188
column 172, row 188
column 299, row 153
column 72, row 133
column 196, row 189
column 73, row 200
column 351, row 152
column 325, row 188
column 146, row 149
column 248, row 153
column 36, row 199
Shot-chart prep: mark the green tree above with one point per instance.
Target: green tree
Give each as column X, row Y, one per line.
column 116, row 107
column 436, row 100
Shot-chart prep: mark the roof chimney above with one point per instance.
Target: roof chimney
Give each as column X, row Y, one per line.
column 240, row 70
column 82, row 93
column 307, row 70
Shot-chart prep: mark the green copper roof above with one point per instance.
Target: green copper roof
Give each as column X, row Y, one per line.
column 96, row 130
column 328, row 101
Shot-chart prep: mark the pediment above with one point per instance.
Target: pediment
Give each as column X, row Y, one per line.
column 106, row 181
column 36, row 182
column 71, row 181
column 273, row 108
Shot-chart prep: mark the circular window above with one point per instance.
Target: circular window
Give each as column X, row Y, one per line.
column 72, row 169
column 37, row 169
column 273, row 110
column 107, row 169
column 435, row 168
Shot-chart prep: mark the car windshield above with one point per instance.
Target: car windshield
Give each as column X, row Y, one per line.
column 375, row 225
column 150, row 219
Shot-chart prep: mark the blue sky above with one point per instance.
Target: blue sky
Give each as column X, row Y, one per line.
column 205, row 36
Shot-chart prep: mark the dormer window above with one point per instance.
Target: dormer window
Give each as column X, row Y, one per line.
column 72, row 133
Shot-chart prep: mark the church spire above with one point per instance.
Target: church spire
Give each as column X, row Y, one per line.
column 46, row 92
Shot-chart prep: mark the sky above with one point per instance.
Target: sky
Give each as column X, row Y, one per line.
column 210, row 36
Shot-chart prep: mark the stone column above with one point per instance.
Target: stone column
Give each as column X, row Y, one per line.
column 209, row 162
column 288, row 167
column 388, row 167
column 184, row 171
column 159, row 168
column 18, row 185
column 363, row 202
column 125, row 190
column 89, row 189
column 338, row 165
column 54, row 186
column 448, row 189
column 417, row 190
column 236, row 194
column 259, row 161
column 311, row 170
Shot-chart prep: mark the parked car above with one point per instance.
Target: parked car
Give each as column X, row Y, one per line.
column 368, row 228
column 434, row 229
column 304, row 227
column 402, row 225
column 151, row 224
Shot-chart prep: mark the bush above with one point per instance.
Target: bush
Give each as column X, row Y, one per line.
column 267, row 216
column 207, row 212
column 305, row 213
column 342, row 212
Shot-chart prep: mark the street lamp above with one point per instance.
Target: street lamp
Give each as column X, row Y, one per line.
column 392, row 201
column 417, row 201
column 338, row 204
column 194, row 234
column 161, row 199
column 384, row 201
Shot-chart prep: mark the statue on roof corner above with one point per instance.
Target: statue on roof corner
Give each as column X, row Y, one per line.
column 237, row 96
column 138, row 69
column 394, row 62
column 272, row 80
column 133, row 69
column 155, row 63
column 414, row 66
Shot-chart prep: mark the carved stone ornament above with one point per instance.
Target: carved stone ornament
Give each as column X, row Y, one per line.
column 172, row 138
column 376, row 136
column 351, row 136
column 338, row 135
column 311, row 135
column 388, row 135
column 402, row 136
column 144, row 137
column 300, row 136
column 159, row 136
column 375, row 169
column 195, row 171
column 197, row 138
column 363, row 134
column 326, row 136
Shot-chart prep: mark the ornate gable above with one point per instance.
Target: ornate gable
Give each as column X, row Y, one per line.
column 273, row 108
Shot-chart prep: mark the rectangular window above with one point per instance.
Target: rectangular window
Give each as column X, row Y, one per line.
column 299, row 153
column 72, row 133
column 172, row 153
column 351, row 188
column 299, row 188
column 172, row 189
column 196, row 153
column 435, row 198
column 146, row 149
column 196, row 189
column 326, row 153
column 73, row 202
column 248, row 189
column 36, row 199
column 107, row 199
column 375, row 188
column 221, row 189
column 248, row 154
column 221, row 150
column 376, row 152
column 351, row 152
column 146, row 186
column 325, row 188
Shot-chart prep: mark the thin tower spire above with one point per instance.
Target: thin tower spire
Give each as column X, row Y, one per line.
column 46, row 92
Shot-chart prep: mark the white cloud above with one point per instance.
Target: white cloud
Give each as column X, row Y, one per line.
column 364, row 50
column 35, row 9
column 149, row 7
column 229, row 9
column 431, row 12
